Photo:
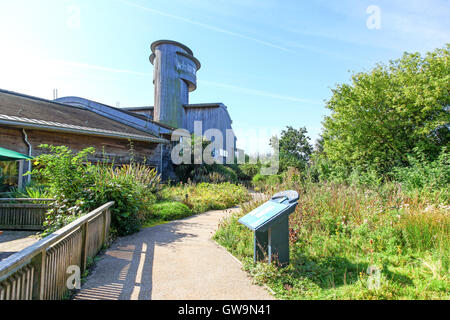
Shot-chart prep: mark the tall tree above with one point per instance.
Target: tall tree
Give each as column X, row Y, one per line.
column 384, row 114
column 295, row 148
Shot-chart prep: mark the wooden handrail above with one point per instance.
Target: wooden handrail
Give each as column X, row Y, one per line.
column 28, row 256
column 23, row 215
column 16, row 260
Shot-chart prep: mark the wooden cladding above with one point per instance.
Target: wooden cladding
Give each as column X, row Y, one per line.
column 40, row 272
column 58, row 258
column 19, row 286
column 117, row 150
column 22, row 216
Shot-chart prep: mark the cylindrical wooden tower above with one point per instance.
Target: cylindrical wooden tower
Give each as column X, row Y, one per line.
column 175, row 69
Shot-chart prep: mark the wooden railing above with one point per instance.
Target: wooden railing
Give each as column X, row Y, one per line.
column 39, row 272
column 19, row 214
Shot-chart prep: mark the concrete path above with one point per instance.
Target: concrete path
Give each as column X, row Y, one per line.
column 174, row 261
column 15, row 241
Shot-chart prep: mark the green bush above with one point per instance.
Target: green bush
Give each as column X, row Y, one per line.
column 209, row 173
column 206, row 196
column 80, row 187
column 214, row 173
column 169, row 210
column 262, row 182
column 249, row 170
column 425, row 176
column 32, row 190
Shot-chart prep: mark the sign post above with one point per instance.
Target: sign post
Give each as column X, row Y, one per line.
column 270, row 224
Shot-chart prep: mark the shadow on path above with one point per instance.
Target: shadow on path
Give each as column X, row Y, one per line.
column 125, row 270
column 174, row 261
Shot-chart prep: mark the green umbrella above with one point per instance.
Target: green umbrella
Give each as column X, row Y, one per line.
column 9, row 155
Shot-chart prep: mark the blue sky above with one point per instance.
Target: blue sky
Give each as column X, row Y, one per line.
column 273, row 63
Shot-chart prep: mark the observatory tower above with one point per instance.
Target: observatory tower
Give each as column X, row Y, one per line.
column 175, row 75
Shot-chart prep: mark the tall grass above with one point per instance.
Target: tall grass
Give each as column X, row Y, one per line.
column 338, row 231
column 206, row 196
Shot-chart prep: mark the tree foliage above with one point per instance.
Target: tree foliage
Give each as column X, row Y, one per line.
column 199, row 171
column 294, row 148
column 378, row 119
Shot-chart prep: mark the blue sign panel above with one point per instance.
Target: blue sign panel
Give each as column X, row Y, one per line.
column 263, row 214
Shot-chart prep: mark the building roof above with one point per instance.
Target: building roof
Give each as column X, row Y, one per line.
column 32, row 112
column 145, row 108
column 120, row 115
column 205, row 105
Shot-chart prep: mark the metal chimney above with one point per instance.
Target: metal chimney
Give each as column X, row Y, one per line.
column 175, row 69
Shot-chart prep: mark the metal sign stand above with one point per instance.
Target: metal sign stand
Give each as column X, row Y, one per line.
column 270, row 224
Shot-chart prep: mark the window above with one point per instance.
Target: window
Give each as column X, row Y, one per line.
column 223, row 153
column 9, row 175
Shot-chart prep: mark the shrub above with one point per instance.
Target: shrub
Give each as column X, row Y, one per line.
column 31, row 191
column 262, row 182
column 79, row 187
column 68, row 175
column 424, row 176
column 249, row 170
column 214, row 173
column 206, row 196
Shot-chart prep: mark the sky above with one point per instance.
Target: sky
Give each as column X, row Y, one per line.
column 273, row 63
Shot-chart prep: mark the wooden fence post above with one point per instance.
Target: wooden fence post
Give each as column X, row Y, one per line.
column 104, row 229
column 84, row 245
column 38, row 263
column 37, row 271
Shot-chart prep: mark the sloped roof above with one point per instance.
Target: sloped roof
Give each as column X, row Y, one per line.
column 145, row 108
column 16, row 109
column 120, row 115
column 205, row 105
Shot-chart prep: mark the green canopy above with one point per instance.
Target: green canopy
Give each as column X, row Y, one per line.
column 9, row 155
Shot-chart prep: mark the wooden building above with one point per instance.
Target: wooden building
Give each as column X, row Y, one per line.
column 27, row 122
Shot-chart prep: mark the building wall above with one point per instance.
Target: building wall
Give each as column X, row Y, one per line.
column 114, row 149
column 211, row 118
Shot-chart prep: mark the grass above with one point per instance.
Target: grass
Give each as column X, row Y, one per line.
column 170, row 210
column 338, row 232
column 184, row 200
column 153, row 223
column 206, row 196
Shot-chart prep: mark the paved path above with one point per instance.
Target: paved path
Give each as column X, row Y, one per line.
column 176, row 261
column 15, row 241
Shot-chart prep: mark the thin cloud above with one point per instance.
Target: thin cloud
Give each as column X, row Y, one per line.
column 207, row 26
column 411, row 25
column 254, row 92
column 96, row 67
column 260, row 93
